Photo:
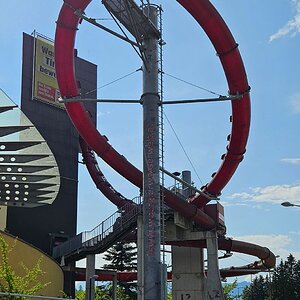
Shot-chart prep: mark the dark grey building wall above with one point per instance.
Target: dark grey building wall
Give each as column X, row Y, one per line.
column 35, row 225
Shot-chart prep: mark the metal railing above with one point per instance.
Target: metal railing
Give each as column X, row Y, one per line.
column 106, row 231
column 12, row 295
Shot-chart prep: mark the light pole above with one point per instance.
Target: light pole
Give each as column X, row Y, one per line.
column 289, row 204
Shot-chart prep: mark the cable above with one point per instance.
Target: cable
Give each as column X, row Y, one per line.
column 182, row 147
column 109, row 83
column 192, row 84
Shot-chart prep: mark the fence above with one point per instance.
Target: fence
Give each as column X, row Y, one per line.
column 12, row 295
column 106, row 230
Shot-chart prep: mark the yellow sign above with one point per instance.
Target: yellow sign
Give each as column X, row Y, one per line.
column 45, row 86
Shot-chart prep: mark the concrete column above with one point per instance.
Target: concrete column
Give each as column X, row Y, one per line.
column 90, row 277
column 188, row 279
column 214, row 286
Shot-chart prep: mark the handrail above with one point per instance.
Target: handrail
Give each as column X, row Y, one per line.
column 116, row 223
column 32, row 296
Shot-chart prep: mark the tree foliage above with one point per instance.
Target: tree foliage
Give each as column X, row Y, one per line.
column 10, row 282
column 104, row 292
column 122, row 257
column 282, row 285
column 228, row 289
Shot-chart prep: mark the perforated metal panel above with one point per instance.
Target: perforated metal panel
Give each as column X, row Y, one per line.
column 29, row 175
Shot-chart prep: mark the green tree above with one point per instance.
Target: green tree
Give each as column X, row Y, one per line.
column 103, row 292
column 297, row 279
column 10, row 282
column 283, row 285
column 228, row 289
column 257, row 290
column 122, row 257
column 80, row 294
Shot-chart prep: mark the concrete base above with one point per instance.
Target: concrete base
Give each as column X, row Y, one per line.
column 188, row 281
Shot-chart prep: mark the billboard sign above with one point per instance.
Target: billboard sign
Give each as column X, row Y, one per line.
column 45, row 87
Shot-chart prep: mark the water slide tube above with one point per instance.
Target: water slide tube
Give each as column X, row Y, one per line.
column 226, row 47
column 98, row 177
column 267, row 260
column 213, row 24
column 227, row 50
column 64, row 59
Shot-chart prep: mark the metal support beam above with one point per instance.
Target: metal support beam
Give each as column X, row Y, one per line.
column 79, row 14
column 114, row 286
column 151, row 189
column 186, row 184
column 219, row 99
column 140, row 258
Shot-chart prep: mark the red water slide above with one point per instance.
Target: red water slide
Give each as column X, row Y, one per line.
column 227, row 49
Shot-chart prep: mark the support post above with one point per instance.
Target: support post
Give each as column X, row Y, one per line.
column 151, row 187
column 114, row 286
column 188, row 281
column 140, row 258
column 90, row 277
column 214, row 286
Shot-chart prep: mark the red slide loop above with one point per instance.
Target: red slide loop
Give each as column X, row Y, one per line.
column 219, row 34
column 99, row 179
column 214, row 26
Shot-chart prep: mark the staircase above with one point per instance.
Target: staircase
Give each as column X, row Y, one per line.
column 103, row 236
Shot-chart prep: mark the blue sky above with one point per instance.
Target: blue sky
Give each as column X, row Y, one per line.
column 268, row 36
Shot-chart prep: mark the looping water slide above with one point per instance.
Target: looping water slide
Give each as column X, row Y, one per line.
column 227, row 50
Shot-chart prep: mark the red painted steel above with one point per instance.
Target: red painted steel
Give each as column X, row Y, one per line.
column 219, row 34
column 226, row 47
column 132, row 276
column 267, row 260
column 99, row 179
column 64, row 59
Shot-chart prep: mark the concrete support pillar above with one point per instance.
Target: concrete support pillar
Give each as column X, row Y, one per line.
column 214, row 286
column 90, row 277
column 188, row 280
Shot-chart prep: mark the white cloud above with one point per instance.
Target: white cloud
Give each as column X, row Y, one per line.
column 271, row 241
column 295, row 103
column 270, row 194
column 295, row 232
column 292, row 27
column 295, row 161
column 278, row 244
column 101, row 114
